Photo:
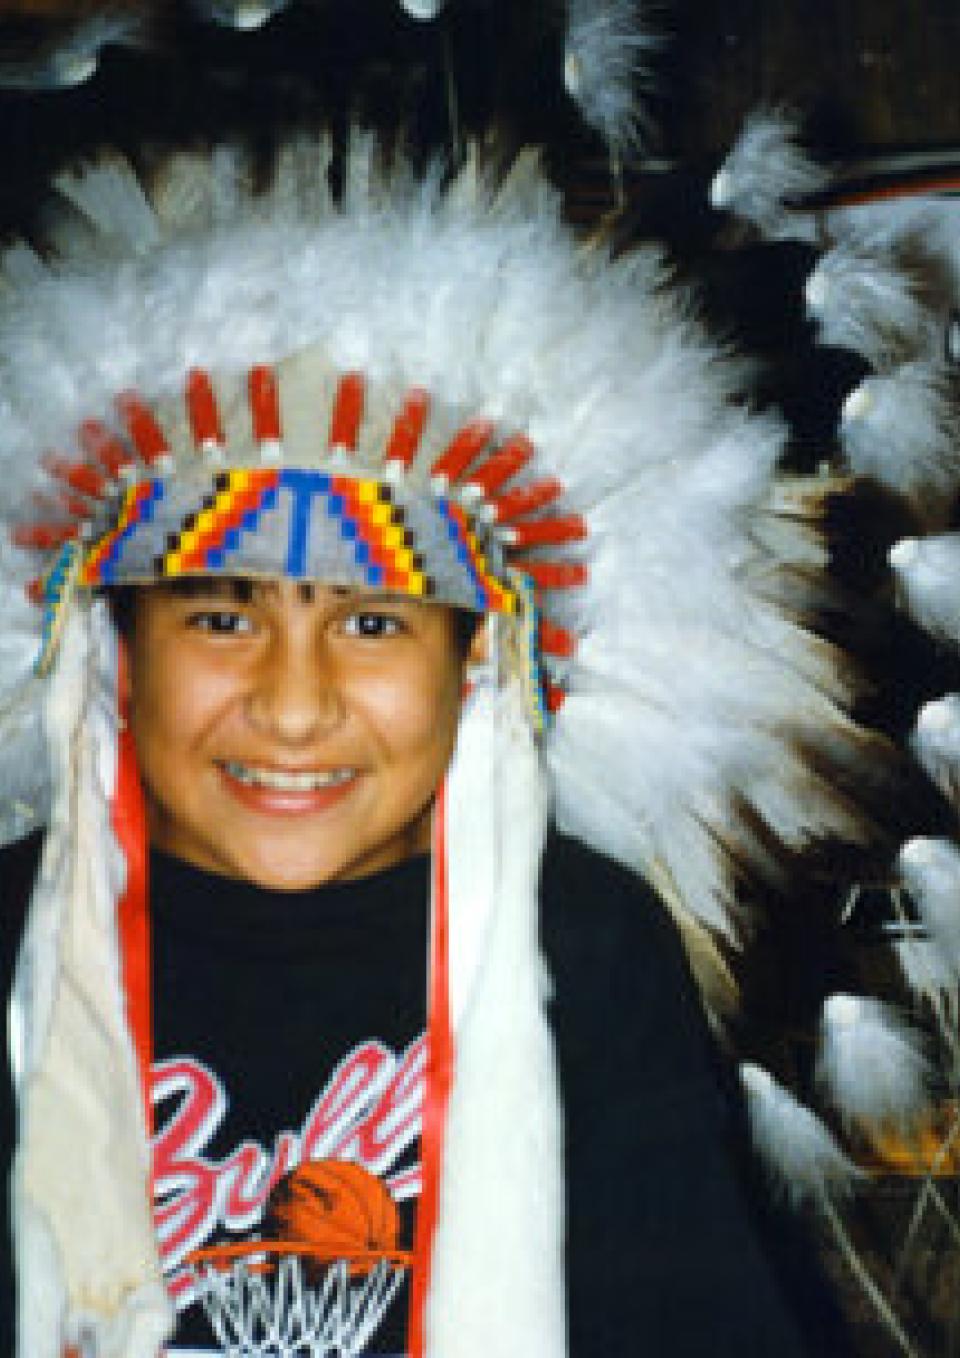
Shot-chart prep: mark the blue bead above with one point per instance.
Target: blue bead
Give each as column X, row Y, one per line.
column 335, row 506
column 215, row 558
column 250, row 520
column 269, row 498
column 361, row 551
column 231, row 539
column 374, row 575
column 348, row 529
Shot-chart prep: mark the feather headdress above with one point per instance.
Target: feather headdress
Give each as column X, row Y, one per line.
column 626, row 405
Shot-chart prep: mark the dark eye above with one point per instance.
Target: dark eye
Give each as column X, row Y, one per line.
column 369, row 624
column 222, row 622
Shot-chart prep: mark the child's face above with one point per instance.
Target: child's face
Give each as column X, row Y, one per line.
column 288, row 734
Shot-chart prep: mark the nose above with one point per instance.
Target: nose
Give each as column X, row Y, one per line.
column 295, row 695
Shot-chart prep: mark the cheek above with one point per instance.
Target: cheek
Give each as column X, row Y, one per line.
column 173, row 701
column 413, row 712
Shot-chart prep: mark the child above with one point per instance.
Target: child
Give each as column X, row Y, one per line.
column 416, row 1072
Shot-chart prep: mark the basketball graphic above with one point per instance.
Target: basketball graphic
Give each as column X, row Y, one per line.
column 319, row 1276
column 336, row 1210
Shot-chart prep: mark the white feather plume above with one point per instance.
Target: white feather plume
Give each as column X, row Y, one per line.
column 870, row 1064
column 605, row 67
column 766, row 175
column 801, row 1155
column 926, row 574
column 865, row 303
column 935, row 741
column 903, row 429
column 930, row 870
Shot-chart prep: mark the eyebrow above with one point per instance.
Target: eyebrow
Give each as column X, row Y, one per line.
column 244, row 589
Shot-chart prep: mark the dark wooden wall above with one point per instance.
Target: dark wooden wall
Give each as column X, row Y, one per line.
column 871, row 73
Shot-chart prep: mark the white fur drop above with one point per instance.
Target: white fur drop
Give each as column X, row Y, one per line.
column 870, row 1064
column 497, row 1279
column 802, row 1157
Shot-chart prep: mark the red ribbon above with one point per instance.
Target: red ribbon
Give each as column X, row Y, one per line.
column 133, row 916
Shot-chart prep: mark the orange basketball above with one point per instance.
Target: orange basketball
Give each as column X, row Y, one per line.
column 336, row 1210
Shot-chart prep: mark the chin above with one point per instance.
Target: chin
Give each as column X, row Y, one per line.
column 287, row 875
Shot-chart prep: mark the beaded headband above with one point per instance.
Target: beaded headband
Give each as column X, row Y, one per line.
column 138, row 507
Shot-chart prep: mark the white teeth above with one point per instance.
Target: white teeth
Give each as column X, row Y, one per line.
column 281, row 781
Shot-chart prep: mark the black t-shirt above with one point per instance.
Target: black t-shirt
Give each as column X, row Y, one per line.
column 290, row 1025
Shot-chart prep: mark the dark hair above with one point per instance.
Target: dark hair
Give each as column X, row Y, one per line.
column 122, row 602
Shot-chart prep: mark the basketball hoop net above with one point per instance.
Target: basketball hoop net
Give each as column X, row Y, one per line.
column 275, row 1313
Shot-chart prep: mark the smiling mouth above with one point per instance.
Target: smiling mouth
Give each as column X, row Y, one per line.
column 282, row 780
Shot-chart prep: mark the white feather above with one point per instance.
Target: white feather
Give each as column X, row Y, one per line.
column 935, row 741
column 865, row 303
column 74, row 58
column 604, row 66
column 766, row 175
column 245, row 15
column 926, row 572
column 930, row 870
column 423, row 10
column 903, row 429
column 801, row 1155
column 872, row 1067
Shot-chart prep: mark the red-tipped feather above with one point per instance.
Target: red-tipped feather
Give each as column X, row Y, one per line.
column 556, row 574
column 514, row 504
column 408, row 427
column 202, row 410
column 498, row 468
column 463, row 449
column 79, row 476
column 42, row 537
column 555, row 698
column 347, row 412
column 148, row 438
column 67, row 502
column 102, row 446
column 556, row 640
column 265, row 404
column 543, row 532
